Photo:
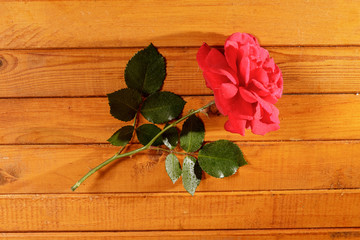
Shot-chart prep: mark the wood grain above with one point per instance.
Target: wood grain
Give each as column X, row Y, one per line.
column 41, row 24
column 58, row 60
column 272, row 166
column 292, row 234
column 87, row 120
column 96, row 72
column 180, row 211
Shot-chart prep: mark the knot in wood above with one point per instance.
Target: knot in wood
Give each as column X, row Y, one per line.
column 3, row 62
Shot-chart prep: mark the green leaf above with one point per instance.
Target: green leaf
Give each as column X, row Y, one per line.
column 162, row 107
column 171, row 137
column 124, row 103
column 173, row 167
column 146, row 71
column 192, row 134
column 146, row 132
column 221, row 158
column 191, row 174
column 122, row 136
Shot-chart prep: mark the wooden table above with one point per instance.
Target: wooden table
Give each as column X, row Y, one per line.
column 59, row 59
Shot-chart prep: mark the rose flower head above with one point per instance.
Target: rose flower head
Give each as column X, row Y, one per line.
column 246, row 83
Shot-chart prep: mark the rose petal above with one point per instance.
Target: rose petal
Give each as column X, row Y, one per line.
column 231, row 53
column 269, row 64
column 278, row 93
column 247, row 96
column 216, row 63
column 214, row 80
column 228, row 90
column 258, row 88
column 264, row 104
column 258, row 112
column 260, row 128
column 242, row 38
column 208, row 80
column 267, row 117
column 201, row 56
column 219, row 105
column 241, row 109
column 262, row 124
column 244, row 51
column 222, row 104
column 274, row 117
column 235, row 126
column 270, row 98
column 263, row 55
column 261, row 76
column 245, row 70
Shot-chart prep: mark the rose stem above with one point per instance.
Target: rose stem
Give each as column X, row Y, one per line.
column 170, row 151
column 147, row 146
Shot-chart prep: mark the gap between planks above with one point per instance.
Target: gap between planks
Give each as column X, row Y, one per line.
column 76, row 194
column 198, row 95
column 137, row 48
column 239, row 141
column 207, row 231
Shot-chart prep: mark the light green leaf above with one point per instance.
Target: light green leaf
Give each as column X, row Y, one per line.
column 162, row 107
column 146, row 71
column 146, row 132
column 173, row 167
column 122, row 136
column 171, row 137
column 191, row 174
column 221, row 158
column 124, row 103
column 192, row 134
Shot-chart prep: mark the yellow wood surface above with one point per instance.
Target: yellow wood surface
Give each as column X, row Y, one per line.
column 87, row 120
column 59, row 59
column 283, row 166
column 180, row 211
column 294, row 234
column 60, row 24
column 96, row 72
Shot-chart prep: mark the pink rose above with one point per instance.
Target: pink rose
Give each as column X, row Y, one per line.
column 246, row 83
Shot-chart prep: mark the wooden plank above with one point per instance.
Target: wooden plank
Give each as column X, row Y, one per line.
column 291, row 234
column 180, row 211
column 272, row 166
column 87, row 120
column 175, row 23
column 96, row 72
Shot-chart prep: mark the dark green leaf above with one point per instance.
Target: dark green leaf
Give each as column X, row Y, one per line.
column 192, row 134
column 171, row 137
column 146, row 71
column 173, row 167
column 146, row 132
column 191, row 174
column 162, row 107
column 221, row 158
column 124, row 103
column 122, row 136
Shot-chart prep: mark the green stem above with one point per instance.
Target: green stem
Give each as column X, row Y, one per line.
column 147, row 146
column 170, row 151
column 92, row 171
